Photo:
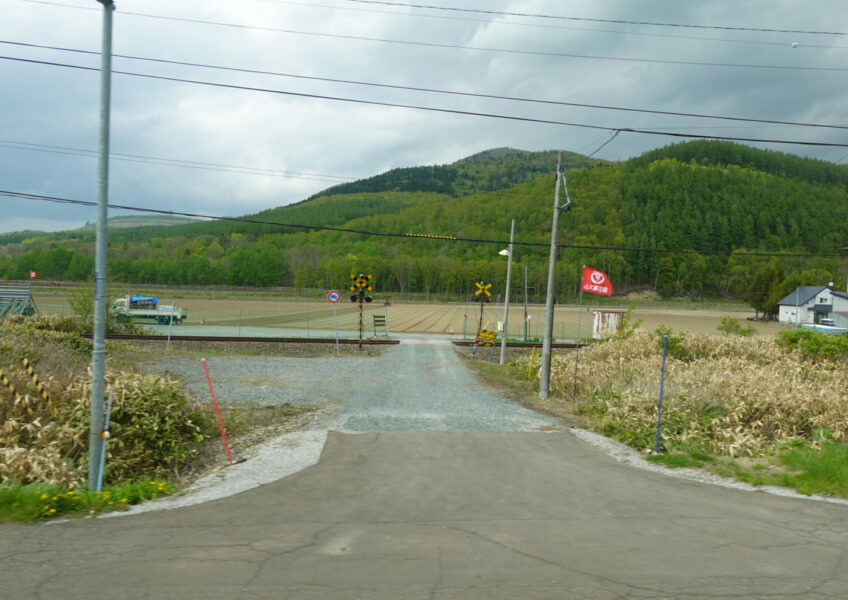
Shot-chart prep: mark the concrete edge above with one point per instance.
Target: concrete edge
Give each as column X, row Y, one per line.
column 627, row 455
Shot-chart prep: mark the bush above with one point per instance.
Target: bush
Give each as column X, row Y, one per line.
column 732, row 326
column 814, row 344
column 155, row 425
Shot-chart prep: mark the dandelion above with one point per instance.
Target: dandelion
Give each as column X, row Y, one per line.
column 44, row 496
column 52, row 510
column 123, row 499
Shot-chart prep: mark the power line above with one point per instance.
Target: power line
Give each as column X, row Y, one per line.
column 594, row 20
column 501, row 22
column 434, row 109
column 423, row 89
column 614, row 135
column 457, row 46
column 171, row 162
column 60, row 200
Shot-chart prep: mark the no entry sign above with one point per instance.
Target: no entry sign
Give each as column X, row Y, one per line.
column 333, row 296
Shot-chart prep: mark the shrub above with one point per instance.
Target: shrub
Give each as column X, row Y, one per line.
column 155, row 425
column 732, row 326
column 814, row 344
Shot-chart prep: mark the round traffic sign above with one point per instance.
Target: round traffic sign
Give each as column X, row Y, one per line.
column 333, row 296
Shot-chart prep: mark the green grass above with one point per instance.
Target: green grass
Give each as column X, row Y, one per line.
column 817, row 471
column 675, row 461
column 686, row 457
column 38, row 501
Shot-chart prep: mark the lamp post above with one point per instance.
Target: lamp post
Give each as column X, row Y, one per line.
column 525, row 303
column 508, row 252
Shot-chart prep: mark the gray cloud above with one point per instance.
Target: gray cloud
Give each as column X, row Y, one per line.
column 59, row 107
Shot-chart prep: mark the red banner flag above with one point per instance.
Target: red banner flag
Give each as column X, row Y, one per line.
column 32, row 274
column 596, row 282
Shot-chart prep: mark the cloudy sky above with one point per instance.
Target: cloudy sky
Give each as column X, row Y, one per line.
column 254, row 143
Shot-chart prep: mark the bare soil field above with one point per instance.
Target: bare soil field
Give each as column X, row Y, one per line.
column 570, row 322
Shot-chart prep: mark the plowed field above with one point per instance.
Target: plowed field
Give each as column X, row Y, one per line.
column 423, row 318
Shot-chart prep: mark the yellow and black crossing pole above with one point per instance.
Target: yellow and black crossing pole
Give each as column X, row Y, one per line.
column 38, row 385
column 8, row 384
column 360, row 284
column 15, row 396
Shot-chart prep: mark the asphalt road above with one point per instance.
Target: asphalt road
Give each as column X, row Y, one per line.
column 447, row 515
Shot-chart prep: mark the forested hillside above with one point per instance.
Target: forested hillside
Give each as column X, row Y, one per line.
column 684, row 220
column 483, row 172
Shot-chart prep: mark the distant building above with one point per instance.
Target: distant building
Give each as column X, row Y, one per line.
column 819, row 305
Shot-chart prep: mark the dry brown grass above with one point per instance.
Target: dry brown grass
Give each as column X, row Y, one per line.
column 156, row 425
column 735, row 396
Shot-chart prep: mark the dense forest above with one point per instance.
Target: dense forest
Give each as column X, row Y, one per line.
column 694, row 219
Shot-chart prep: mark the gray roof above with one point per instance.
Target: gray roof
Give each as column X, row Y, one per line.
column 802, row 295
column 840, row 294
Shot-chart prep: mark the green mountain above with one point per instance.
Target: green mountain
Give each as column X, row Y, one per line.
column 691, row 219
column 483, row 172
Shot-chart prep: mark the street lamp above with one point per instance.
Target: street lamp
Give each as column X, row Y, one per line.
column 508, row 253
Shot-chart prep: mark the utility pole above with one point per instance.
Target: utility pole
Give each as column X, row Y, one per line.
column 545, row 373
column 506, row 296
column 98, row 353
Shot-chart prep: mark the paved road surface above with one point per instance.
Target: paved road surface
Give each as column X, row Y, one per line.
column 447, row 515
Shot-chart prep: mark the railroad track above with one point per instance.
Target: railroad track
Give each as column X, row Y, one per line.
column 215, row 338
column 521, row 344
column 301, row 340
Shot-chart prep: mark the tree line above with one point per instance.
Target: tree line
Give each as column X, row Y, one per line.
column 683, row 228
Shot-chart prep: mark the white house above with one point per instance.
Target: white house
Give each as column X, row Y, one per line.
column 814, row 304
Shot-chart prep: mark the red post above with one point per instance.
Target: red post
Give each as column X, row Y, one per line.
column 217, row 412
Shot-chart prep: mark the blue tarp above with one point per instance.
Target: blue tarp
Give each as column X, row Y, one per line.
column 144, row 300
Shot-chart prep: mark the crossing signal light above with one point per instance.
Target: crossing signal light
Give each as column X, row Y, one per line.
column 354, row 298
column 368, row 298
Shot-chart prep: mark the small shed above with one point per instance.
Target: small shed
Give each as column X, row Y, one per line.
column 606, row 322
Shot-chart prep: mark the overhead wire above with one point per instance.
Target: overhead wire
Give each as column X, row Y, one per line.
column 501, row 22
column 172, row 162
column 594, row 20
column 459, row 46
column 435, row 109
column 422, row 89
column 614, row 135
column 59, row 200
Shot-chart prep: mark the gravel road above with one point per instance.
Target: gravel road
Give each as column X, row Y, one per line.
column 420, row 385
column 412, row 386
